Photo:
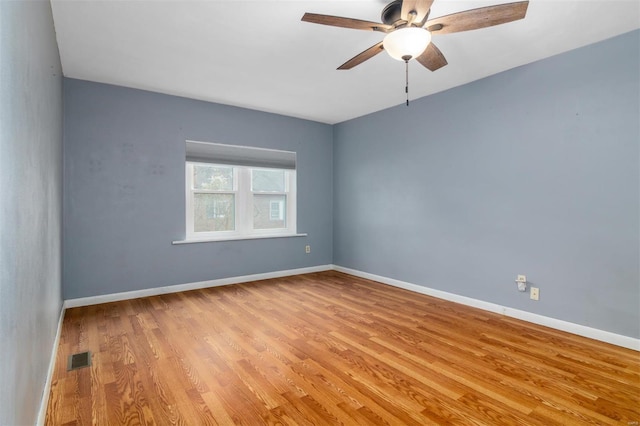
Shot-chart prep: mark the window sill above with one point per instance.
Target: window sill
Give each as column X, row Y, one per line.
column 242, row 237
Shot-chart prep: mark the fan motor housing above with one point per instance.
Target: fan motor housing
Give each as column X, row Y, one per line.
column 391, row 12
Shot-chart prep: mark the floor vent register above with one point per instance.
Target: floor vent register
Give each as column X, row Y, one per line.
column 80, row 360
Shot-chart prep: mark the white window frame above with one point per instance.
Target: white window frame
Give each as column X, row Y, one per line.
column 243, row 196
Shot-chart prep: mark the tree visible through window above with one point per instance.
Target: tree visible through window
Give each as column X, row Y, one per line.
column 213, row 198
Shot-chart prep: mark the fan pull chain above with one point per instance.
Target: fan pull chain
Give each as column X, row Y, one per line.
column 406, row 74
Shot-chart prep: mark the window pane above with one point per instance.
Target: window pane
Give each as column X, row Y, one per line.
column 267, row 180
column 269, row 211
column 213, row 212
column 214, row 178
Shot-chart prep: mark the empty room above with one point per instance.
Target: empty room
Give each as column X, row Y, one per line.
column 374, row 212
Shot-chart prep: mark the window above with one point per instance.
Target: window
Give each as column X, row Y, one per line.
column 239, row 192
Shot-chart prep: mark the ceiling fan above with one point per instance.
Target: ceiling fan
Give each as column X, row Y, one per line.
column 408, row 29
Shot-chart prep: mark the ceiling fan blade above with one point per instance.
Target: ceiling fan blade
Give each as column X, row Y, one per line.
column 478, row 18
column 337, row 21
column 432, row 58
column 421, row 7
column 361, row 57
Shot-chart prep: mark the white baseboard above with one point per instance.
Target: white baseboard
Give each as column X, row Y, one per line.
column 114, row 297
column 581, row 330
column 42, row 413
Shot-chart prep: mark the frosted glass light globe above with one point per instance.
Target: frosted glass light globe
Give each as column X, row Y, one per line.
column 411, row 41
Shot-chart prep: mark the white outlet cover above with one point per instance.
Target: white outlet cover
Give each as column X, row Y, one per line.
column 535, row 293
column 522, row 278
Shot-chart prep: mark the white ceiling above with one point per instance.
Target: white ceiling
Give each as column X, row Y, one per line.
column 259, row 55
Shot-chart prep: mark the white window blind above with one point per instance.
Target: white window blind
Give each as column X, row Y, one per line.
column 216, row 153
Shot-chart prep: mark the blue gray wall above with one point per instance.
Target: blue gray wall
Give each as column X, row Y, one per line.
column 124, row 190
column 533, row 171
column 30, row 205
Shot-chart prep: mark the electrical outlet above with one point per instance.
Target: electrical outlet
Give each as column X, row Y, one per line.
column 307, row 249
column 535, row 293
column 521, row 280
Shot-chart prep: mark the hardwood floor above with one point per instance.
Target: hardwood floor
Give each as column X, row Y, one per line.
column 329, row 348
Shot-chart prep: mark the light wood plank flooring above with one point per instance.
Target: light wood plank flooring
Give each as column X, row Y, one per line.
column 329, row 348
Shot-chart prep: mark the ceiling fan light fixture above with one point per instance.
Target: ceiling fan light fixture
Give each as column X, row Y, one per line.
column 406, row 42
